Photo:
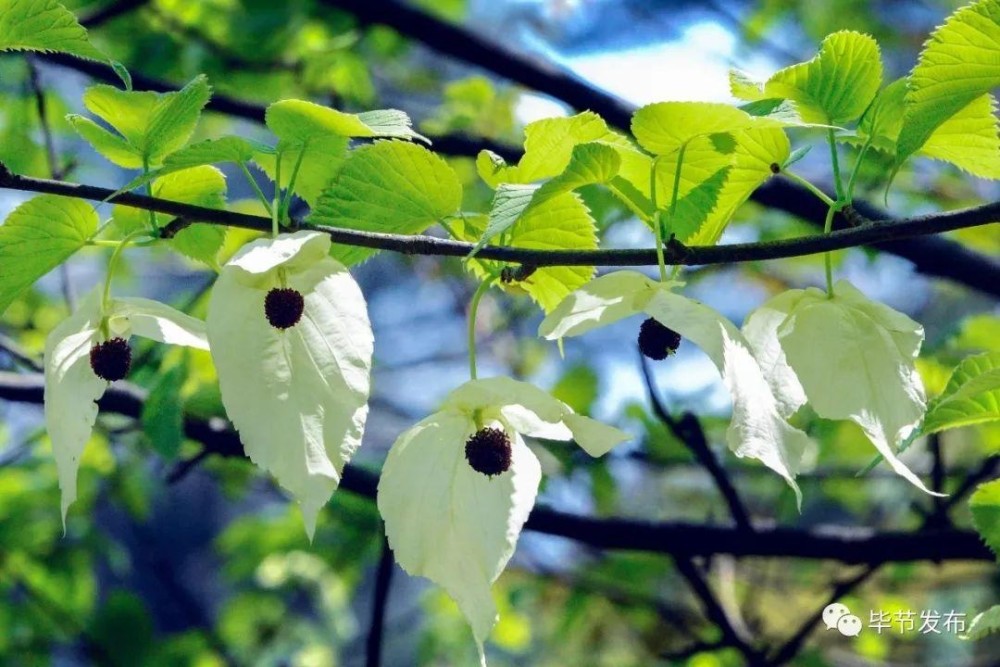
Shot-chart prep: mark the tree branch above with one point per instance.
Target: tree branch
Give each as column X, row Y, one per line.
column 932, row 256
column 689, row 431
column 424, row 245
column 383, row 580
column 843, row 544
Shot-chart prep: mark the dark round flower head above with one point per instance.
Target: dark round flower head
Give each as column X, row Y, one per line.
column 283, row 307
column 488, row 451
column 657, row 341
column 111, row 359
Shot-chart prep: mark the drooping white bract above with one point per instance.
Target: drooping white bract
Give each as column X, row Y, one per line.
column 851, row 357
column 298, row 396
column 456, row 526
column 71, row 386
column 758, row 429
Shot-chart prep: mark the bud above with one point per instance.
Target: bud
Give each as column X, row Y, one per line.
column 111, row 359
column 283, row 307
column 657, row 341
column 488, row 451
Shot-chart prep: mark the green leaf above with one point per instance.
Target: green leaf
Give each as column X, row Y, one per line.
column 743, row 87
column 110, row 145
column 389, row 186
column 694, row 208
column 174, row 119
column 578, row 387
column 150, row 125
column 750, row 166
column 297, row 122
column 985, row 507
column 163, row 414
column 589, row 163
column 201, row 186
column 43, row 25
column 561, row 222
column 972, row 395
column 958, row 65
column 664, row 127
column 548, row 148
column 215, row 151
column 837, row 85
column 38, row 236
column 984, row 624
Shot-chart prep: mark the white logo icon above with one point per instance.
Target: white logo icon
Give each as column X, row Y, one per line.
column 838, row 616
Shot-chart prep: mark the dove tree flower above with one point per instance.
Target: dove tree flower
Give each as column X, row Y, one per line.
column 758, row 429
column 87, row 351
column 458, row 486
column 292, row 345
column 849, row 357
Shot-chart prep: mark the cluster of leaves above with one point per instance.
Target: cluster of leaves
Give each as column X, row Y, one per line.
column 685, row 170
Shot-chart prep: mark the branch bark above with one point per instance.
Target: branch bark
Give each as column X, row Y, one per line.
column 675, row 254
column 838, row 543
column 938, row 257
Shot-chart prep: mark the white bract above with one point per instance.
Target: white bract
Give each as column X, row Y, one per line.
column 456, row 526
column 850, row 357
column 758, row 429
column 298, row 396
column 72, row 388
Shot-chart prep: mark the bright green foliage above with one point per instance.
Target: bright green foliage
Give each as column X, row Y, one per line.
column 972, row 395
column 315, row 139
column 548, row 148
column 985, row 507
column 201, row 186
column 150, row 125
column 215, row 151
column 664, row 127
column 742, row 87
column 162, row 414
column 968, row 139
column 694, row 208
column 43, row 25
column 392, row 187
column 984, row 624
column 38, row 236
column 590, row 163
column 837, row 85
column 958, row 64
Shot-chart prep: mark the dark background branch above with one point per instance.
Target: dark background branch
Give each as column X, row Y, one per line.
column 843, row 544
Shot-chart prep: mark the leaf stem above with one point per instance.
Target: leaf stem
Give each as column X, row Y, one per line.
column 675, row 195
column 657, row 220
column 112, row 263
column 835, row 161
column 849, row 195
column 822, row 196
column 276, row 204
column 473, row 310
column 286, row 200
column 256, row 188
column 149, row 191
column 828, row 256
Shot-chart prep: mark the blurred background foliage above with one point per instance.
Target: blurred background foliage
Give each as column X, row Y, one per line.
column 212, row 567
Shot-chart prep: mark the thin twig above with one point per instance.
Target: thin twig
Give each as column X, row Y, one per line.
column 383, row 581
column 689, row 431
column 424, row 245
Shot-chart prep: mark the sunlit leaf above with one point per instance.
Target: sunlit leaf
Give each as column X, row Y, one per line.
column 43, row 25
column 972, row 395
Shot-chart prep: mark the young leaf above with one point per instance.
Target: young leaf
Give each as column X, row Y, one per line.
column 150, row 125
column 44, row 25
column 296, row 122
column 985, row 507
column 215, row 151
column 201, row 186
column 38, row 236
column 389, row 186
column 837, row 85
column 590, row 163
column 548, row 148
column 972, row 395
column 694, row 208
column 174, row 118
column 958, row 65
column 743, row 87
column 664, row 127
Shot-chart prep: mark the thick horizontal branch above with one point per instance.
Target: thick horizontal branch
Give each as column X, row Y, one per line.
column 844, row 544
column 932, row 256
column 869, row 233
